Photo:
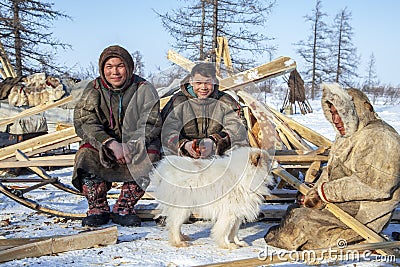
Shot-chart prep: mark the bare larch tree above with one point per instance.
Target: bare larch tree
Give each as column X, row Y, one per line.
column 196, row 26
column 25, row 31
column 315, row 50
column 342, row 50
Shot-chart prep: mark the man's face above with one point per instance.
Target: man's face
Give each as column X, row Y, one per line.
column 202, row 86
column 115, row 72
column 337, row 120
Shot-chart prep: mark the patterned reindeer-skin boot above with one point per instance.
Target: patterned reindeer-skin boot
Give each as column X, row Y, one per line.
column 95, row 192
column 123, row 212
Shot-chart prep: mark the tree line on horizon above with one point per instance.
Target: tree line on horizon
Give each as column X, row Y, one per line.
column 328, row 52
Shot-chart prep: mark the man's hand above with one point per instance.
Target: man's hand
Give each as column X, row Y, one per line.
column 312, row 200
column 118, row 151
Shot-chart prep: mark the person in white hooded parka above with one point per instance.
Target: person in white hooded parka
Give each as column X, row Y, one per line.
column 361, row 177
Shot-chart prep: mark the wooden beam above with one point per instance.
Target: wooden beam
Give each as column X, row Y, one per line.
column 35, row 110
column 300, row 158
column 37, row 142
column 5, row 61
column 268, row 70
column 38, row 170
column 264, row 116
column 179, row 60
column 308, row 134
column 103, row 237
column 37, row 163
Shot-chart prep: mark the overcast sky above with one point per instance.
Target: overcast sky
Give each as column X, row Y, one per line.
column 133, row 24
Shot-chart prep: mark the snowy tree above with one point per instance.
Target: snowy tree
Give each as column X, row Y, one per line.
column 25, row 33
column 139, row 64
column 315, row 49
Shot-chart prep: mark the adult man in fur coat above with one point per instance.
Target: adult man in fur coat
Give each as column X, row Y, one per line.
column 119, row 121
column 362, row 177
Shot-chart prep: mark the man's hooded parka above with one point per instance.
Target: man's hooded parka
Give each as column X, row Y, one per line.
column 129, row 114
column 362, row 177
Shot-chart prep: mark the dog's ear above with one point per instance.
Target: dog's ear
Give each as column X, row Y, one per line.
column 255, row 157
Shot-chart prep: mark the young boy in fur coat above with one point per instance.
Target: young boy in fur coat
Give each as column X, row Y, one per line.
column 361, row 177
column 200, row 120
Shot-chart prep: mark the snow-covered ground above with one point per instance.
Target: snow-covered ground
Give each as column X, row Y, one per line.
column 148, row 245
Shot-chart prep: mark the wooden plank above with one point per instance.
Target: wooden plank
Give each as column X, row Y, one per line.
column 264, row 116
column 37, row 163
column 103, row 237
column 300, row 158
column 369, row 235
column 55, row 145
column 37, row 142
column 268, row 70
column 38, row 170
column 5, row 61
column 179, row 60
column 36, row 110
column 305, row 132
column 312, row 172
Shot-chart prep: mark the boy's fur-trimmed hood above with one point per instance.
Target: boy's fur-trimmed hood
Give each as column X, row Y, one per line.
column 353, row 106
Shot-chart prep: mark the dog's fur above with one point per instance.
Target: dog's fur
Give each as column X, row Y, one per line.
column 227, row 190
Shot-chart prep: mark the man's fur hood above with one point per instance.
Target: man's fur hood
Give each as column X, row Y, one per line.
column 353, row 107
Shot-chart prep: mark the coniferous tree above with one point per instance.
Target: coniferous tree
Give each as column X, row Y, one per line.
column 25, row 31
column 371, row 79
column 139, row 64
column 315, row 49
column 196, row 26
column 343, row 52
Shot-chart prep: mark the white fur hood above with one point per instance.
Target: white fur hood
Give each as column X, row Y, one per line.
column 352, row 105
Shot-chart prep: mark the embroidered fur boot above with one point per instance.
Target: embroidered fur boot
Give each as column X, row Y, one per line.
column 123, row 212
column 95, row 192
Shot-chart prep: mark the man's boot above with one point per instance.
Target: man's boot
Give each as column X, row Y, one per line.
column 95, row 192
column 123, row 212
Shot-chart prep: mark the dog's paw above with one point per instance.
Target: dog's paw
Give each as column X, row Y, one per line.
column 185, row 237
column 180, row 244
column 229, row 246
column 241, row 243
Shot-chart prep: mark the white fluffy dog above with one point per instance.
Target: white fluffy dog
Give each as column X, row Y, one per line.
column 227, row 190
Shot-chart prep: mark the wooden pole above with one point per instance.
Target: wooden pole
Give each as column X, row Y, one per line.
column 107, row 236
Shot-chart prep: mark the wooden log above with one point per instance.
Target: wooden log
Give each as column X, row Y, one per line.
column 37, row 163
column 369, row 235
column 5, row 61
column 37, row 142
column 312, row 172
column 36, row 110
column 54, row 145
column 179, row 60
column 103, row 237
column 264, row 116
column 38, row 170
column 305, row 132
column 268, row 70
